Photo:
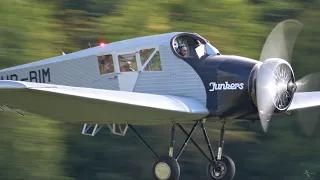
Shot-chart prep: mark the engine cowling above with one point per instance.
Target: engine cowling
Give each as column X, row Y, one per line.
column 276, row 83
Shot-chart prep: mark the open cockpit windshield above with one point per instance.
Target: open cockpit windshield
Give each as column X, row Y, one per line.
column 188, row 45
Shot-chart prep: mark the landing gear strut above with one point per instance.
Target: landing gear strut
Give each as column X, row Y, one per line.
column 166, row 167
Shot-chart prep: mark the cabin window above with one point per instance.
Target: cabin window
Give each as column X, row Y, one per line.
column 150, row 59
column 128, row 62
column 106, row 64
column 145, row 54
column 154, row 64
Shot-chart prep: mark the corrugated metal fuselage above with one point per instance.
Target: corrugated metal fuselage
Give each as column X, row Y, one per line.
column 218, row 82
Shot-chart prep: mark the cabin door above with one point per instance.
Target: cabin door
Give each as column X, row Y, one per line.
column 128, row 76
column 128, row 80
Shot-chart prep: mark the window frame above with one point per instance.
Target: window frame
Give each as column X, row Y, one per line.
column 136, row 51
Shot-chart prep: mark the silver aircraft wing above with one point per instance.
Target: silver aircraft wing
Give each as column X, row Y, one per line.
column 305, row 100
column 97, row 106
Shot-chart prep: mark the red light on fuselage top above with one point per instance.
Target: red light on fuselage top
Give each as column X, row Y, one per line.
column 102, row 44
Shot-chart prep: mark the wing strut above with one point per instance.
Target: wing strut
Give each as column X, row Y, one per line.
column 95, row 128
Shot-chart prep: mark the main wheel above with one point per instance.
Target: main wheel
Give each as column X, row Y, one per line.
column 225, row 171
column 166, row 168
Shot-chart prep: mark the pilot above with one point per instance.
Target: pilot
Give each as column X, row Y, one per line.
column 183, row 51
column 126, row 67
column 123, row 69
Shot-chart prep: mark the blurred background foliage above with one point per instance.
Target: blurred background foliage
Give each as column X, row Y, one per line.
column 38, row 148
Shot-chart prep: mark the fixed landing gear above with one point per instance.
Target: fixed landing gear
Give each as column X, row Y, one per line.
column 167, row 167
column 225, row 169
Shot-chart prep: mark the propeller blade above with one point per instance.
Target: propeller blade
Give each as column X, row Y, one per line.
column 310, row 82
column 306, row 104
column 273, row 84
column 308, row 118
column 266, row 91
column 305, row 100
column 281, row 40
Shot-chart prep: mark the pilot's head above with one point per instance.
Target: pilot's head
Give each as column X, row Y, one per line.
column 183, row 51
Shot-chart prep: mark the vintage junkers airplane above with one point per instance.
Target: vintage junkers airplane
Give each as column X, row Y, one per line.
column 151, row 80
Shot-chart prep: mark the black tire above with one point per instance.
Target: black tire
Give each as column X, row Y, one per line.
column 163, row 162
column 226, row 172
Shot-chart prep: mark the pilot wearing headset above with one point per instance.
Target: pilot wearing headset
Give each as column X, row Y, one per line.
column 183, row 51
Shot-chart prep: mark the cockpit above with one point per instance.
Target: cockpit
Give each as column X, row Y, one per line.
column 192, row 46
